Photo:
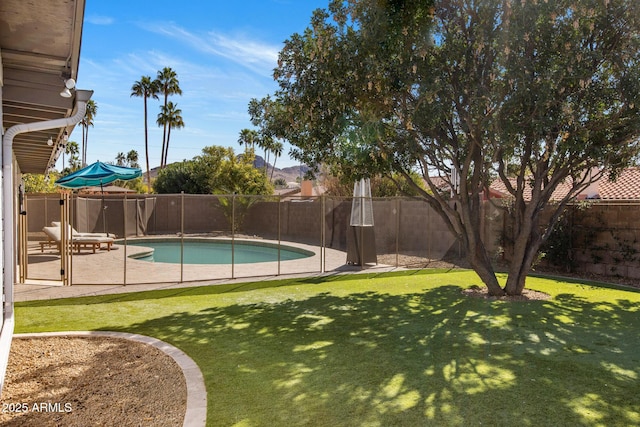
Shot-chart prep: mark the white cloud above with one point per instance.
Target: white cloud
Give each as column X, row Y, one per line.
column 218, row 75
column 258, row 56
column 99, row 20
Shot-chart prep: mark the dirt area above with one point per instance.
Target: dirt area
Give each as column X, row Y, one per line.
column 527, row 295
column 98, row 381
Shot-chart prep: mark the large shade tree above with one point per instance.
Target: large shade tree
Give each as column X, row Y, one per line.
column 145, row 88
column 532, row 93
column 217, row 170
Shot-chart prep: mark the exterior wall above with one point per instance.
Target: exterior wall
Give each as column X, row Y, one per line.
column 5, row 333
column 605, row 239
column 8, row 253
column 600, row 238
column 3, row 366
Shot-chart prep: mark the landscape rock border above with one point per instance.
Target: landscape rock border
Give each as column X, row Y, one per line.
column 196, row 411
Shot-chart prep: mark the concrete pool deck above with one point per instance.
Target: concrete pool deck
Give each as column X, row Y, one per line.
column 106, row 272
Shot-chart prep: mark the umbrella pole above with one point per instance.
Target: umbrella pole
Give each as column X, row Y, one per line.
column 104, row 208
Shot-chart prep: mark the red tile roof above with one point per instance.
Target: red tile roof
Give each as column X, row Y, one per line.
column 626, row 187
column 499, row 187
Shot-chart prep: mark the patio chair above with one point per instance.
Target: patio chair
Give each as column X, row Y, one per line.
column 76, row 233
column 93, row 243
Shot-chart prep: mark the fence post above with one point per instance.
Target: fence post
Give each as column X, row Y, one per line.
column 124, row 232
column 181, row 236
column 397, row 200
column 279, row 232
column 23, row 239
column 321, row 232
column 233, row 235
column 429, row 236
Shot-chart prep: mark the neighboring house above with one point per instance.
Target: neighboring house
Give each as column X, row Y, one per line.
column 625, row 187
column 39, row 57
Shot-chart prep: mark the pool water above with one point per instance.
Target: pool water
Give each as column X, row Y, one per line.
column 218, row 252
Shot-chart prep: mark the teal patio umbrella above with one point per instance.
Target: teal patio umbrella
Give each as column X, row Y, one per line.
column 98, row 174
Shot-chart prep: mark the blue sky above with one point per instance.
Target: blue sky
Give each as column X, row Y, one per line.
column 223, row 52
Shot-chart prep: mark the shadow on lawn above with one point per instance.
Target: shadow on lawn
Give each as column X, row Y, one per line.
column 220, row 289
column 436, row 358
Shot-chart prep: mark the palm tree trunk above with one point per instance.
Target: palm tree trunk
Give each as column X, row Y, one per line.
column 164, row 135
column 166, row 151
column 146, row 144
column 266, row 161
column 86, row 142
column 275, row 159
column 83, row 142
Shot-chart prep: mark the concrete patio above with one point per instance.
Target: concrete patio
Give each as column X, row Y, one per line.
column 106, row 272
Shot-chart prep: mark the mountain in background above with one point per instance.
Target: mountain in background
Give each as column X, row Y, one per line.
column 289, row 174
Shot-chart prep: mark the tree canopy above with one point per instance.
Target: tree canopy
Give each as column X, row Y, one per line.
column 532, row 93
column 216, row 171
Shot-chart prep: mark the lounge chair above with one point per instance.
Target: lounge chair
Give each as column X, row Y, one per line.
column 79, row 242
column 76, row 233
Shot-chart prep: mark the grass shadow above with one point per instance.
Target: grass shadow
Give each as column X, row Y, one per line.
column 429, row 358
column 221, row 289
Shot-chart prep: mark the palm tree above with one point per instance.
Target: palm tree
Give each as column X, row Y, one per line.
column 167, row 83
column 74, row 162
column 132, row 159
column 265, row 142
column 248, row 138
column 170, row 117
column 91, row 110
column 120, row 159
column 146, row 89
column 276, row 149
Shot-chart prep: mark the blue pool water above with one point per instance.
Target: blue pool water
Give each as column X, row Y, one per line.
column 217, row 252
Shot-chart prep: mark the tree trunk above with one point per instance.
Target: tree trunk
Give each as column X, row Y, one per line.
column 275, row 159
column 166, row 150
column 481, row 264
column 525, row 248
column 519, row 269
column 82, row 161
column 86, row 142
column 164, row 132
column 146, row 145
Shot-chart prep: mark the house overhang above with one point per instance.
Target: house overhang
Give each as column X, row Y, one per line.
column 39, row 48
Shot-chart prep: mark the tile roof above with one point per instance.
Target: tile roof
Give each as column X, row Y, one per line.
column 499, row 187
column 626, row 187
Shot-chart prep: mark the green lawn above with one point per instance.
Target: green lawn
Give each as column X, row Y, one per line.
column 387, row 350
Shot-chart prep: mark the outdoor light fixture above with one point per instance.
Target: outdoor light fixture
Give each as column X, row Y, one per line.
column 68, row 85
column 65, row 136
column 50, row 142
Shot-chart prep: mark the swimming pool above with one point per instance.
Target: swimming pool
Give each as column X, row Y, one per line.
column 215, row 251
